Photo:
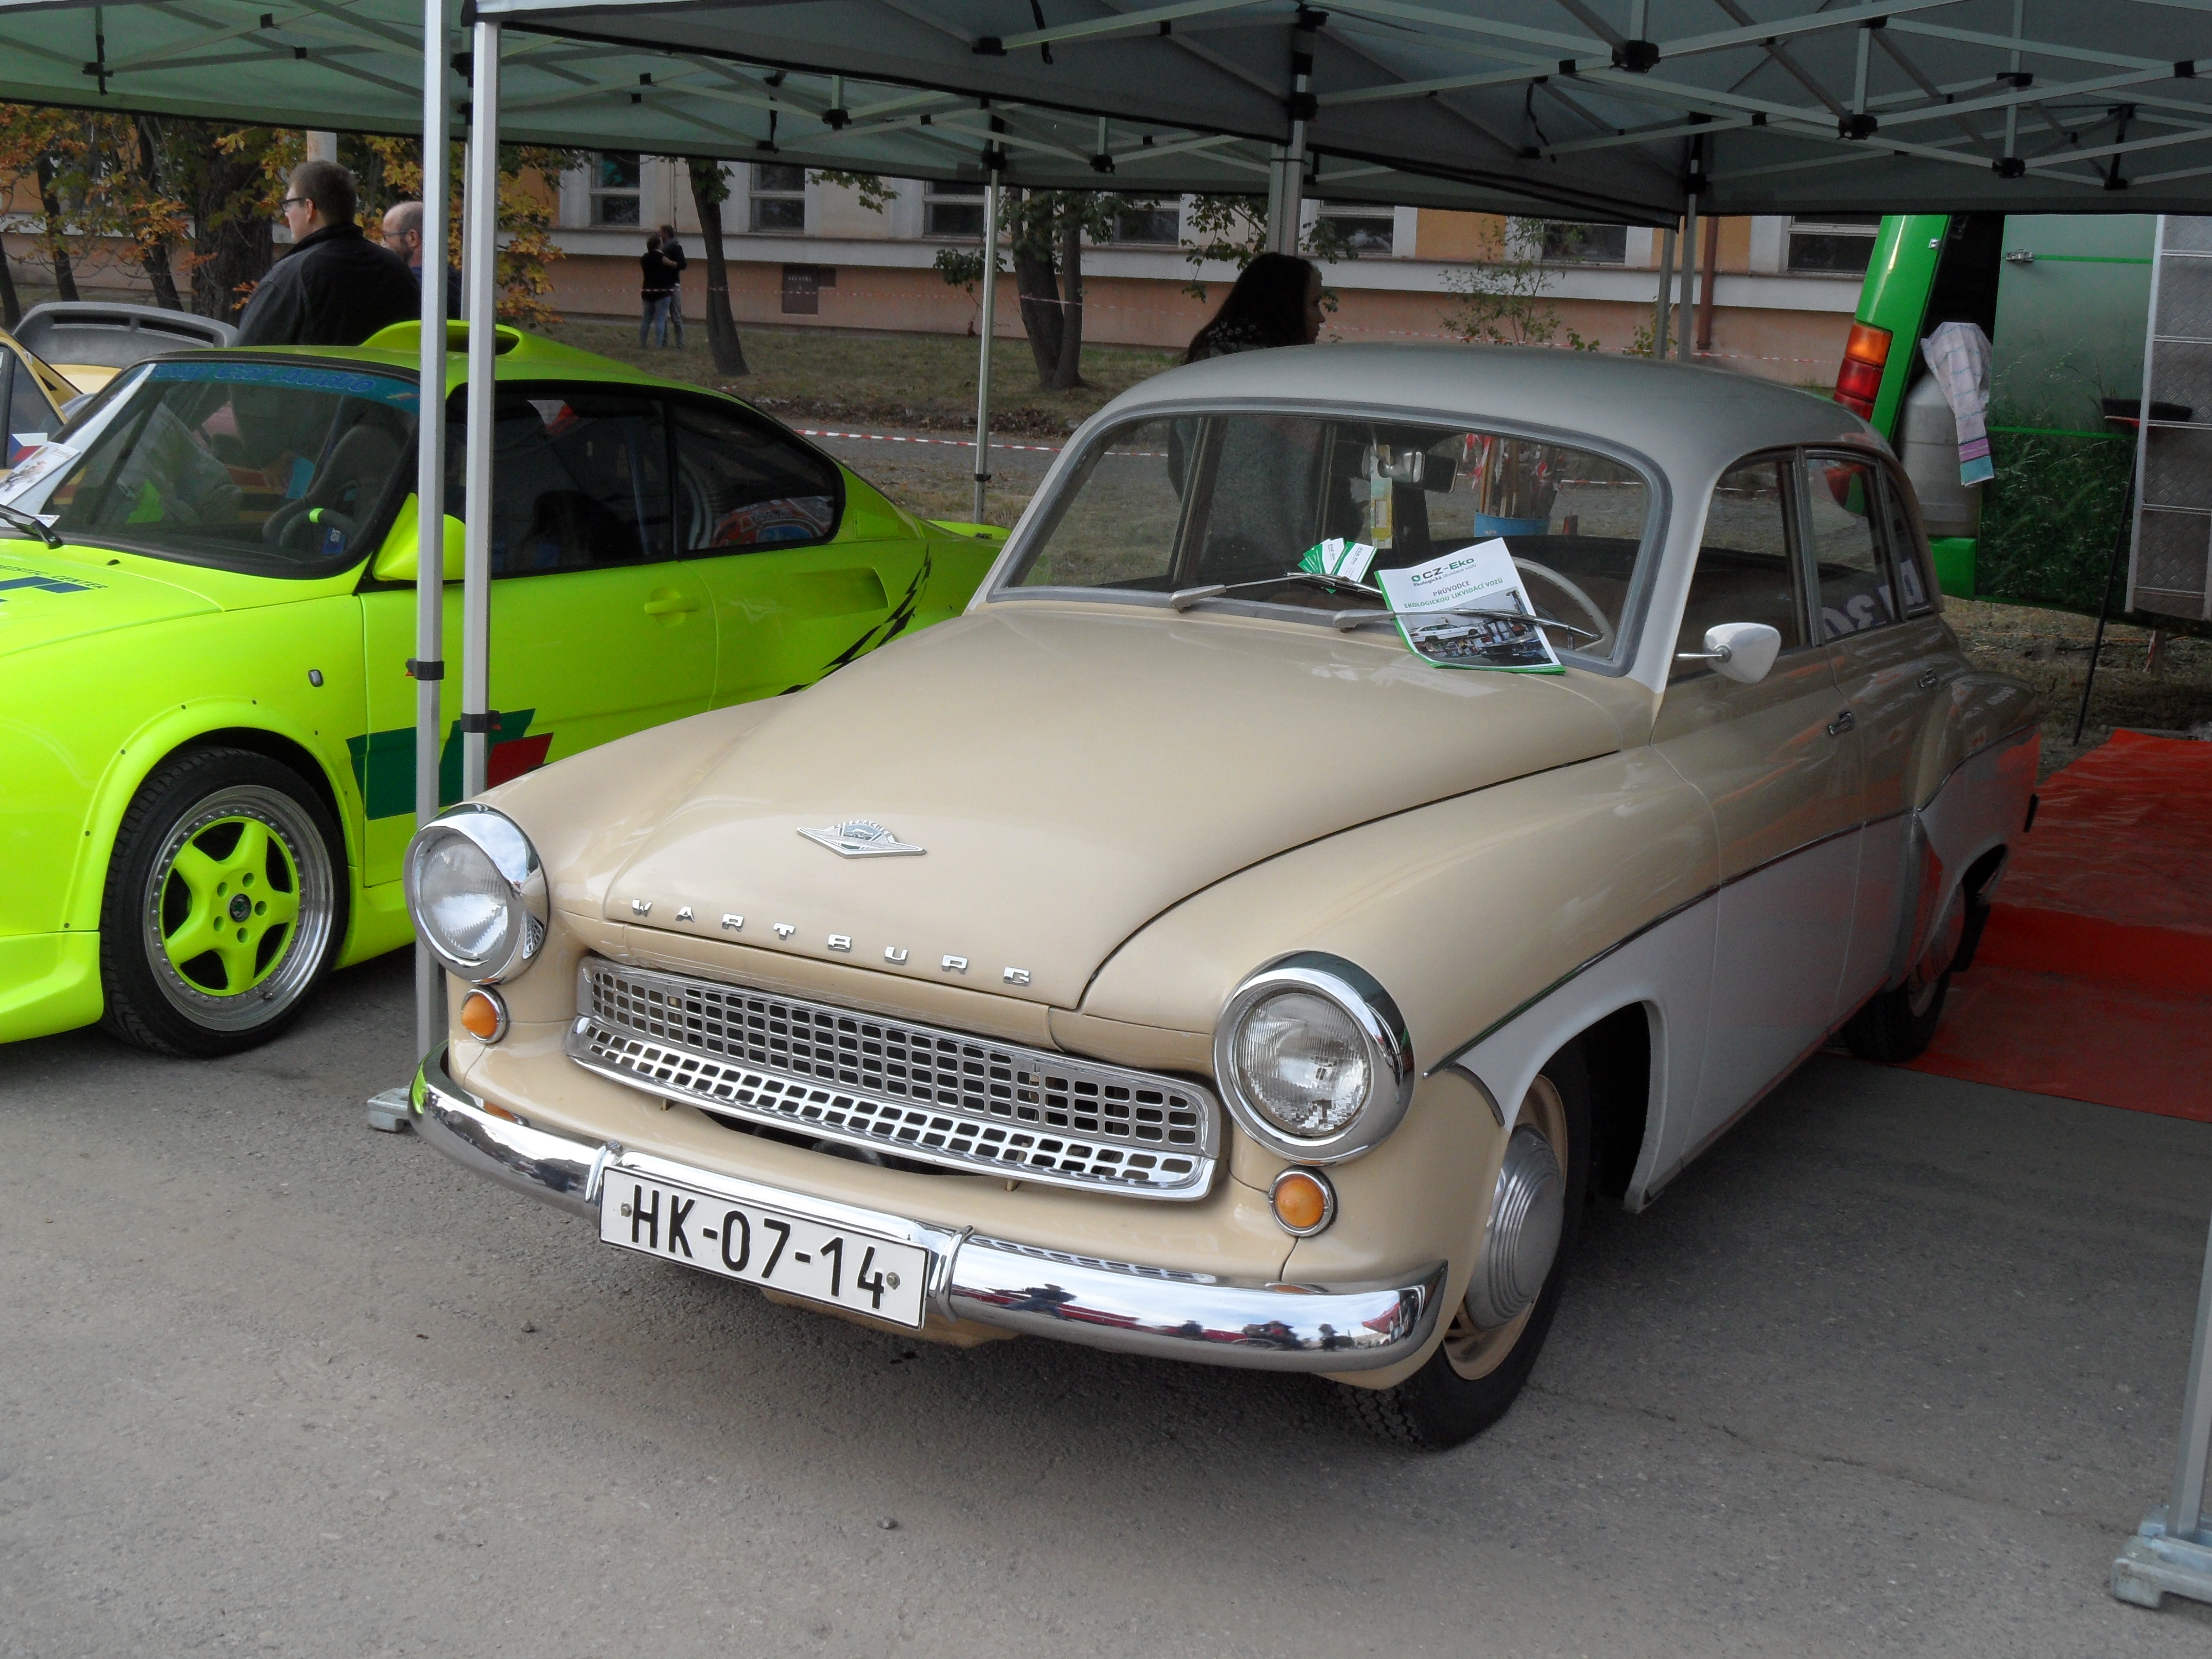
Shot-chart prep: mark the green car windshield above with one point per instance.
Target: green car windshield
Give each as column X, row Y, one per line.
column 271, row 469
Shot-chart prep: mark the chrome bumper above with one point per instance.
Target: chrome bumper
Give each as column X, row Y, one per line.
column 1123, row 1306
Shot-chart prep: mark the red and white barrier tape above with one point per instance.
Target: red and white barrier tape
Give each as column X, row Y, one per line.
column 897, row 438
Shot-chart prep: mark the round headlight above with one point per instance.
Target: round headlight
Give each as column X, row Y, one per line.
column 1302, row 1063
column 1313, row 1060
column 475, row 893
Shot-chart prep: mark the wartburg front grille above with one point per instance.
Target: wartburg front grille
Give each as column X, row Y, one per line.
column 916, row 1091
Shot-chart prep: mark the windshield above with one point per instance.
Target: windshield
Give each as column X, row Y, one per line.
column 277, row 469
column 1169, row 505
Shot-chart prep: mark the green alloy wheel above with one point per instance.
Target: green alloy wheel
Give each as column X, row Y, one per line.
column 224, row 905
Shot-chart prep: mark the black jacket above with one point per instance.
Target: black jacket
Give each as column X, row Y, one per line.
column 335, row 287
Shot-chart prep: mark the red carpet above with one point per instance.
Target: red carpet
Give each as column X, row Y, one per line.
column 2095, row 977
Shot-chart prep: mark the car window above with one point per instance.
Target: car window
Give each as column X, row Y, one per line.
column 1843, row 507
column 282, row 469
column 580, row 479
column 1744, row 572
column 1239, row 497
column 741, row 483
column 1906, row 554
column 31, row 415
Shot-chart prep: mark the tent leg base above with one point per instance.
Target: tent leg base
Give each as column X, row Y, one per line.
column 2151, row 1565
column 391, row 1111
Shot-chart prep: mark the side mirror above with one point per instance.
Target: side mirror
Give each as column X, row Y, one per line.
column 1741, row 652
column 400, row 559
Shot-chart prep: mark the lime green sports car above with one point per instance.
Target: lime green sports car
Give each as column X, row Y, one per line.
column 207, row 613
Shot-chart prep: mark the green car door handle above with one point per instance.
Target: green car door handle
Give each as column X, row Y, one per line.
column 667, row 601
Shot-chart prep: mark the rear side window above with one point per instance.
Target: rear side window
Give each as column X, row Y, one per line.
column 742, row 483
column 32, row 418
column 1745, row 571
column 1843, row 514
column 1914, row 591
column 580, row 479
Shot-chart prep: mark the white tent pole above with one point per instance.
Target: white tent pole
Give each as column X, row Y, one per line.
column 2171, row 1553
column 480, row 220
column 430, row 490
column 1662, row 308
column 988, row 329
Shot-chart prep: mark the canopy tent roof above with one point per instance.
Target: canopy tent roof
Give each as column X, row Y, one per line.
column 356, row 65
column 1594, row 108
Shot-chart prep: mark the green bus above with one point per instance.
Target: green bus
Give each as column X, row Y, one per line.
column 2065, row 300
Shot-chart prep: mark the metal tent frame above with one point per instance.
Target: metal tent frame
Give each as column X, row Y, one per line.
column 1630, row 110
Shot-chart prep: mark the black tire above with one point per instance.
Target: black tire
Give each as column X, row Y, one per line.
column 1898, row 1026
column 238, row 852
column 1443, row 1404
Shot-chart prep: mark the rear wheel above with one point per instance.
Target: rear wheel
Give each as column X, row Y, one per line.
column 1899, row 1025
column 1495, row 1332
column 225, row 904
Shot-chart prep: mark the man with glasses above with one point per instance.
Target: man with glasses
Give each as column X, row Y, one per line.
column 335, row 286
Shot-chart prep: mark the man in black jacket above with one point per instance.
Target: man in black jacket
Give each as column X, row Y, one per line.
column 336, row 287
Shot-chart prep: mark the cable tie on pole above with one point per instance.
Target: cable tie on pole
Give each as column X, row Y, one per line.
column 487, row 722
column 430, row 668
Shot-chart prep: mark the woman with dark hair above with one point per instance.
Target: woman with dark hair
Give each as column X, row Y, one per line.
column 1276, row 302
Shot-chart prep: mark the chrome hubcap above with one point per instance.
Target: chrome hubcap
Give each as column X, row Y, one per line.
column 1526, row 1221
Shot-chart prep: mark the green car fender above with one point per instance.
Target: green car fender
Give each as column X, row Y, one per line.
column 93, row 725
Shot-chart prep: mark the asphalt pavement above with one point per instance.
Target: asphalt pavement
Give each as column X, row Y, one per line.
column 1894, row 1368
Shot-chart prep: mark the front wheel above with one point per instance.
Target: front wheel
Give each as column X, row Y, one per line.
column 1497, row 1329
column 225, row 904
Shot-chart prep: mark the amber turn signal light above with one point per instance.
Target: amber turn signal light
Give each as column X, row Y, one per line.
column 483, row 1016
column 1305, row 1202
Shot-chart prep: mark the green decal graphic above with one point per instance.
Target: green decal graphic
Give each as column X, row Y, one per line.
column 384, row 762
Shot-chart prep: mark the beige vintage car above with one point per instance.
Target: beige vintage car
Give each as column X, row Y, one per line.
column 1185, row 953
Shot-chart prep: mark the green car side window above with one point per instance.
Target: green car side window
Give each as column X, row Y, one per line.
column 580, row 478
column 743, row 483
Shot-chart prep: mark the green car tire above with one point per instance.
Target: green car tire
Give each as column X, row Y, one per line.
column 225, row 905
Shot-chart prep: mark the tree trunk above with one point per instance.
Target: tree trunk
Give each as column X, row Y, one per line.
column 1035, row 283
column 232, row 246
column 1068, row 372
column 50, row 205
column 707, row 191
column 155, row 258
column 11, row 306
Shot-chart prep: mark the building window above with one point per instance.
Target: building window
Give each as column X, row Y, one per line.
column 1365, row 227
column 803, row 286
column 1835, row 243
column 952, row 211
column 779, row 198
column 614, row 177
column 1152, row 224
column 1566, row 241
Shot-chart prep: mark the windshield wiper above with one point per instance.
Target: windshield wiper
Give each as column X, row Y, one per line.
column 37, row 527
column 1346, row 620
column 1183, row 598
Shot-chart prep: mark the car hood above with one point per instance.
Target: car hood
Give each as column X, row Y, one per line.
column 1071, row 772
column 47, row 598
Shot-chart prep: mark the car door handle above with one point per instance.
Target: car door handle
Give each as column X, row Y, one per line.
column 1844, row 722
column 666, row 603
column 1929, row 679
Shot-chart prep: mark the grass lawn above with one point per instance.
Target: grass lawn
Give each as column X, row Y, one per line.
column 926, row 381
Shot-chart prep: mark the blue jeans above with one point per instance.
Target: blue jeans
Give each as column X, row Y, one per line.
column 661, row 309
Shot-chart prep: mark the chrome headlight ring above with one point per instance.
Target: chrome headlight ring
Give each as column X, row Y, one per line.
column 1388, row 1053
column 482, row 847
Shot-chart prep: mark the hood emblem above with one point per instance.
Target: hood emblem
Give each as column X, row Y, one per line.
column 860, row 838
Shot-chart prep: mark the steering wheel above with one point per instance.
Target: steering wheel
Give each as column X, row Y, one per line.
column 1589, row 606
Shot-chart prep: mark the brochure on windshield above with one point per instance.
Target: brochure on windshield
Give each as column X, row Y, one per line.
column 1337, row 557
column 1480, row 578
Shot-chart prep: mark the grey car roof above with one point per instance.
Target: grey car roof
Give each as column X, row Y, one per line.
column 1689, row 420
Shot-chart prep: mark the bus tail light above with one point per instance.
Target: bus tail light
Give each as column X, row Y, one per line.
column 1858, row 382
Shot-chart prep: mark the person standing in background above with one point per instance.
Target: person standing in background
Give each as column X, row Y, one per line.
column 656, row 290
column 1276, row 302
column 403, row 234
column 335, row 286
column 672, row 250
